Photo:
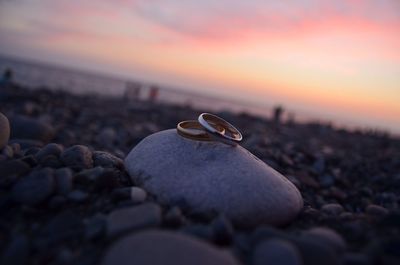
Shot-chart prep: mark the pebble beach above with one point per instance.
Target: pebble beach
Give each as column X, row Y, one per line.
column 66, row 197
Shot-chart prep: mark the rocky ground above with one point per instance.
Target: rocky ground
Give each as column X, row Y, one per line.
column 65, row 197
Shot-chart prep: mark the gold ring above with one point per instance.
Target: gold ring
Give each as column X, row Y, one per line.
column 195, row 131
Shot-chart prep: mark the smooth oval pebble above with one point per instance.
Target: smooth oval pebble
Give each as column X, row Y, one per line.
column 77, row 157
column 4, row 130
column 212, row 176
column 327, row 236
column 24, row 127
column 157, row 247
column 276, row 251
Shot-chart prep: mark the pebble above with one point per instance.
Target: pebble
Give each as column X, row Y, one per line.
column 14, row 168
column 77, row 157
column 313, row 252
column 376, row 210
column 164, row 248
column 234, row 182
column 201, row 231
column 34, row 188
column 222, row 230
column 16, row 252
column 4, row 130
column 78, row 196
column 7, row 151
column 131, row 218
column 174, row 217
column 107, row 137
column 276, row 251
column 327, row 236
column 51, row 149
column 107, row 160
column 24, row 127
column 138, row 195
column 333, row 209
column 95, row 227
column 64, row 180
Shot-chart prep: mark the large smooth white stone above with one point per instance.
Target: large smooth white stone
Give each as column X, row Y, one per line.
column 212, row 176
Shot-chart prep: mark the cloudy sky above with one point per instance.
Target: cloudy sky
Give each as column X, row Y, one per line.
column 337, row 58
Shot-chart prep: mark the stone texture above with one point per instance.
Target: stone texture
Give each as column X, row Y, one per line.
column 166, row 248
column 276, row 251
column 211, row 176
column 24, row 127
column 129, row 218
column 4, row 130
column 77, row 157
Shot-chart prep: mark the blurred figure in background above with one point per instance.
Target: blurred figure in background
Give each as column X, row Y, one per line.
column 7, row 78
column 132, row 91
column 277, row 112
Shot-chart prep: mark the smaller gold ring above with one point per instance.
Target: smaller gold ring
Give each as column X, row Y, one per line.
column 195, row 131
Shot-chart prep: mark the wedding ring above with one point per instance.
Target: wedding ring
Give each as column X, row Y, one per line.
column 211, row 124
column 193, row 130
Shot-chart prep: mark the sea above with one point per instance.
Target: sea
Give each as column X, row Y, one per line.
column 37, row 75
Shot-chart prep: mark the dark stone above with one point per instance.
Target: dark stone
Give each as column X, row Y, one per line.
column 95, row 227
column 315, row 253
column 77, row 157
column 77, row 196
column 51, row 161
column 276, row 251
column 34, row 188
column 24, row 127
column 120, row 194
column 16, row 252
column 376, row 210
column 164, row 248
column 64, row 180
column 131, row 218
column 63, row 227
column 107, row 160
column 174, row 217
column 50, row 149
column 199, row 230
column 222, row 230
column 13, row 168
column 27, row 143
column 327, row 236
column 355, row 259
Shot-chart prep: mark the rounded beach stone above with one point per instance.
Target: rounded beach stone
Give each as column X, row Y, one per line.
column 211, row 176
column 77, row 157
column 276, row 251
column 4, row 130
column 163, row 247
column 24, row 127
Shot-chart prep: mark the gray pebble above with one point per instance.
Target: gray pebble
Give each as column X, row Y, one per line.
column 130, row 218
column 106, row 160
column 332, row 209
column 50, row 149
column 327, row 236
column 77, row 157
column 165, row 248
column 64, row 180
column 276, row 251
column 138, row 195
column 174, row 217
column 4, row 130
column 34, row 188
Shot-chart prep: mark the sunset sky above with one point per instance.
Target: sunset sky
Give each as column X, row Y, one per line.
column 338, row 59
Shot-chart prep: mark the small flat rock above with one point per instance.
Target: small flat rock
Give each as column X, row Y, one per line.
column 35, row 187
column 29, row 128
column 106, row 160
column 77, row 157
column 327, row 236
column 276, row 251
column 165, row 248
column 4, row 130
column 376, row 210
column 130, row 218
column 332, row 209
column 48, row 150
column 212, row 176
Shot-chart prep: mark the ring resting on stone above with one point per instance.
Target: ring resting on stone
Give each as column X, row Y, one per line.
column 212, row 123
column 195, row 131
